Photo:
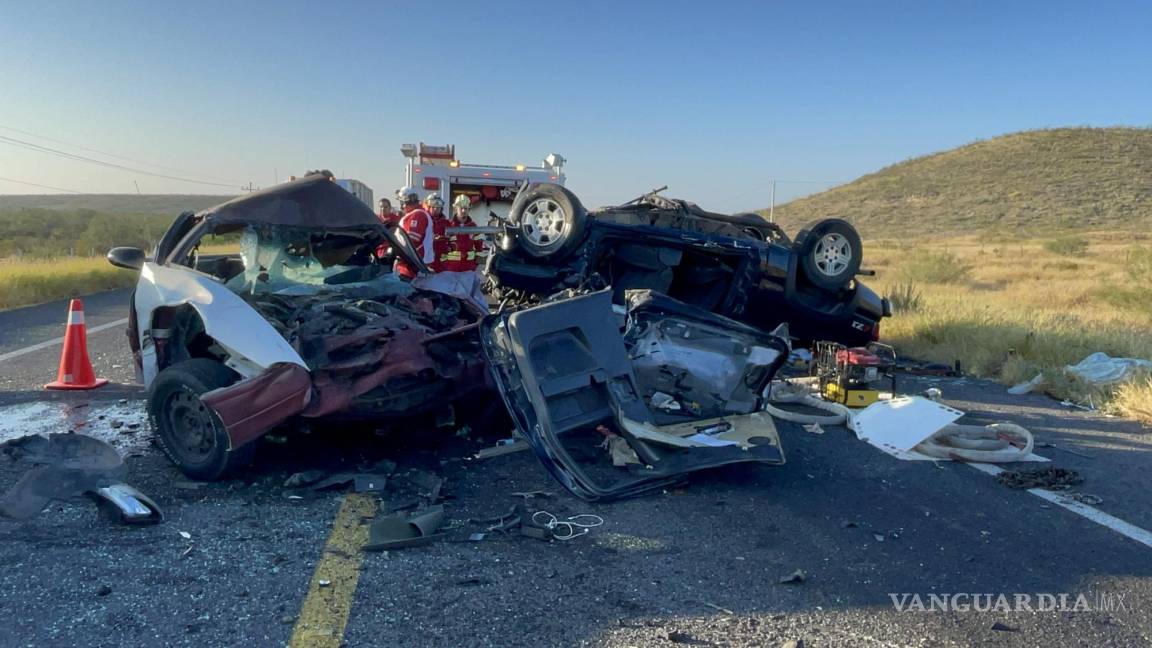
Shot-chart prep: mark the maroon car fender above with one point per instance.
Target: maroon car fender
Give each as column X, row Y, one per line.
column 252, row 407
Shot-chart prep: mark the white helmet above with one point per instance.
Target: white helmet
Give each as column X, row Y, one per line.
column 407, row 195
column 462, row 202
column 434, row 200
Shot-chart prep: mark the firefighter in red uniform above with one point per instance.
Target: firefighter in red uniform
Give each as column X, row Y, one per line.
column 463, row 248
column 425, row 232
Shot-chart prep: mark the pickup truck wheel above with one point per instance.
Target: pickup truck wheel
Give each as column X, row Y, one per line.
column 549, row 220
column 187, row 430
column 830, row 252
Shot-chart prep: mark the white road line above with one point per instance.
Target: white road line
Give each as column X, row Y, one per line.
column 51, row 343
column 1125, row 529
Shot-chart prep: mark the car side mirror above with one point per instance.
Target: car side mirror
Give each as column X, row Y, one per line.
column 126, row 257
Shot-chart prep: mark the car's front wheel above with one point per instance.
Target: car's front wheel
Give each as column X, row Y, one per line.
column 830, row 252
column 188, row 431
column 549, row 220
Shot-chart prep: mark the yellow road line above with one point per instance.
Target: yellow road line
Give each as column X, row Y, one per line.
column 324, row 613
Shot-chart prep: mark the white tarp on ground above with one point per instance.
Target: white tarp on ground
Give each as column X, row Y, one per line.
column 1101, row 370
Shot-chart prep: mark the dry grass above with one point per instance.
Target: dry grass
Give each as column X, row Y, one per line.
column 1134, row 400
column 1023, row 309
column 34, row 281
column 24, row 282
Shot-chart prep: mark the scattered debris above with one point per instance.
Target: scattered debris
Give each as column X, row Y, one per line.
column 814, row 428
column 323, row 583
column 103, row 590
column 306, row 478
column 618, row 447
column 666, row 402
column 473, row 581
column 848, row 524
column 66, row 466
column 1063, row 449
column 127, row 505
column 1001, row 627
column 527, row 495
column 185, row 535
column 1086, row 498
column 1027, row 386
column 721, row 609
column 501, row 449
column 1079, row 406
column 879, row 537
column 404, row 530
column 1056, row 479
column 933, row 394
column 361, row 482
column 794, row 578
column 568, row 528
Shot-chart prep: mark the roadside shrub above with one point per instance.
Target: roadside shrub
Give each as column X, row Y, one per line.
column 1067, row 245
column 1061, row 265
column 936, row 268
column 1138, row 263
column 1132, row 299
column 905, row 297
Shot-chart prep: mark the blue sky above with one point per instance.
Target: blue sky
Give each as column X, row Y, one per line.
column 714, row 99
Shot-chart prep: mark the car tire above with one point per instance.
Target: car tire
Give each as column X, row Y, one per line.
column 830, row 253
column 187, row 430
column 549, row 220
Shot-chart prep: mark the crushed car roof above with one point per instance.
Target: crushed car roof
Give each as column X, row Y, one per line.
column 310, row 202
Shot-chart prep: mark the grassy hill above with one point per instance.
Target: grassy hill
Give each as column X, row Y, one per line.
column 1031, row 182
column 157, row 204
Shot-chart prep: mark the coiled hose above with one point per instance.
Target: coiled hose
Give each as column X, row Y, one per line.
column 798, row 392
column 995, row 443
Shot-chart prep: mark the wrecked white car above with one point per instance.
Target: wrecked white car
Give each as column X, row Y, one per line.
column 303, row 317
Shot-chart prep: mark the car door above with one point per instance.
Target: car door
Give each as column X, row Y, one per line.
column 567, row 379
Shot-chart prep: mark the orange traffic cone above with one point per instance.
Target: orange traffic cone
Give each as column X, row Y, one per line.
column 75, row 368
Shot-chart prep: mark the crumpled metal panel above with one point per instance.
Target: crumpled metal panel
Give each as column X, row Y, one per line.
column 251, row 407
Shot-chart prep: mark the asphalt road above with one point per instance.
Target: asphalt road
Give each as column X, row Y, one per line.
column 698, row 565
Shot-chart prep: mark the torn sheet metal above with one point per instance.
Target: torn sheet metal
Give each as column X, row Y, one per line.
column 706, row 364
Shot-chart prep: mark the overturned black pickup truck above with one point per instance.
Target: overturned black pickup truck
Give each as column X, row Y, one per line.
column 624, row 373
column 739, row 266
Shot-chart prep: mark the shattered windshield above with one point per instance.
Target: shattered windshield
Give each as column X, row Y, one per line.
column 287, row 260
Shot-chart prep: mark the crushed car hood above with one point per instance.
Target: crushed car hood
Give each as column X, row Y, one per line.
column 405, row 348
column 584, row 402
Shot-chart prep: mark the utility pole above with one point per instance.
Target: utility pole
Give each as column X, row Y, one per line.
column 249, row 188
column 772, row 206
column 137, row 187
